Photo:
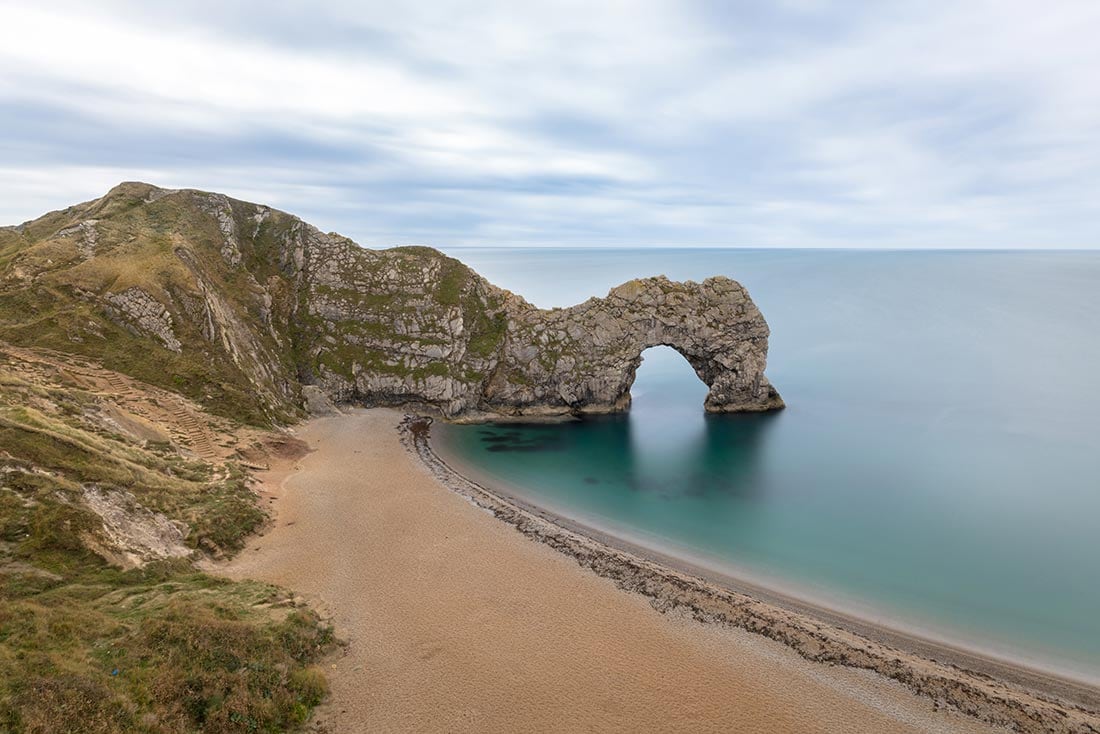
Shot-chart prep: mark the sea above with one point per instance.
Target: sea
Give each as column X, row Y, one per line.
column 936, row 470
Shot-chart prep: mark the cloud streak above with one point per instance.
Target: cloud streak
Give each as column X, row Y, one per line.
column 801, row 123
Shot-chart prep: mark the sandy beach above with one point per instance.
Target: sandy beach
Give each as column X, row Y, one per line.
column 456, row 622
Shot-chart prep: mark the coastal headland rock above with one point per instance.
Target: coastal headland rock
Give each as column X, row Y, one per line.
column 258, row 314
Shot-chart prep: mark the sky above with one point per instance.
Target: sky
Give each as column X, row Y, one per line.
column 788, row 123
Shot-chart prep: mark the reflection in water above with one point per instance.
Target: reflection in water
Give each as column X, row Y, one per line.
column 516, row 441
column 706, row 454
column 676, row 448
column 732, row 455
column 666, row 446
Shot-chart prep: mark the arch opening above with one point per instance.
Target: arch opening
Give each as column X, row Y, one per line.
column 666, row 381
column 666, row 420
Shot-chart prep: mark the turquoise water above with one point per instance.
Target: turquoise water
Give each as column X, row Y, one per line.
column 939, row 461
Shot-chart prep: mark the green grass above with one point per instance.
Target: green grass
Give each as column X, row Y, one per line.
column 62, row 309
column 52, row 318
column 162, row 650
column 221, row 512
column 88, row 647
column 451, row 282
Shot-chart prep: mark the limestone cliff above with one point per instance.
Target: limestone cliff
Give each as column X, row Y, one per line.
column 240, row 306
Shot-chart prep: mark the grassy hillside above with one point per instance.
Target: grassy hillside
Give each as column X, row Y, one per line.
column 106, row 625
column 58, row 273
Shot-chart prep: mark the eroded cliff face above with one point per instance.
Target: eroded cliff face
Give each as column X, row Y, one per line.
column 241, row 306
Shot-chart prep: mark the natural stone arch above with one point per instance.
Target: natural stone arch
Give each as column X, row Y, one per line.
column 583, row 359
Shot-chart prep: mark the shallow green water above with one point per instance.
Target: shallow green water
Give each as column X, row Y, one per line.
column 939, row 462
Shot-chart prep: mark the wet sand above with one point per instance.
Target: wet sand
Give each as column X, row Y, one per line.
column 456, row 622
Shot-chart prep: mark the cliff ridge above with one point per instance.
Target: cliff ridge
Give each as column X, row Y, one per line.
column 239, row 306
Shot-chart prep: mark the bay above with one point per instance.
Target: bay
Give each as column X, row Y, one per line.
column 937, row 467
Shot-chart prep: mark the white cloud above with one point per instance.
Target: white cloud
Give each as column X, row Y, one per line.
column 803, row 123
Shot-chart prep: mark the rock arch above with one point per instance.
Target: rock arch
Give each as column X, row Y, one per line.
column 583, row 359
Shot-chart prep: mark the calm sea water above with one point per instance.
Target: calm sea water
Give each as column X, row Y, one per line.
column 938, row 464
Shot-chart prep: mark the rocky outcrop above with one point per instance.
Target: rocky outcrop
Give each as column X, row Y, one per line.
column 411, row 325
column 135, row 308
column 135, row 534
column 86, row 237
column 220, row 207
column 583, row 359
column 260, row 304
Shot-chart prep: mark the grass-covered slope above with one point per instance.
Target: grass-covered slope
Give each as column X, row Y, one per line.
column 88, row 280
column 106, row 625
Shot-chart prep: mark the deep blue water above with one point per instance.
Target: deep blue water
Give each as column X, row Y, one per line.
column 938, row 464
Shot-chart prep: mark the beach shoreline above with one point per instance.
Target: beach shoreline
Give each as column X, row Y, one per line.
column 449, row 620
column 861, row 619
column 997, row 691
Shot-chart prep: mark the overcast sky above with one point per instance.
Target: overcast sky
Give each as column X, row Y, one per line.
column 932, row 123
